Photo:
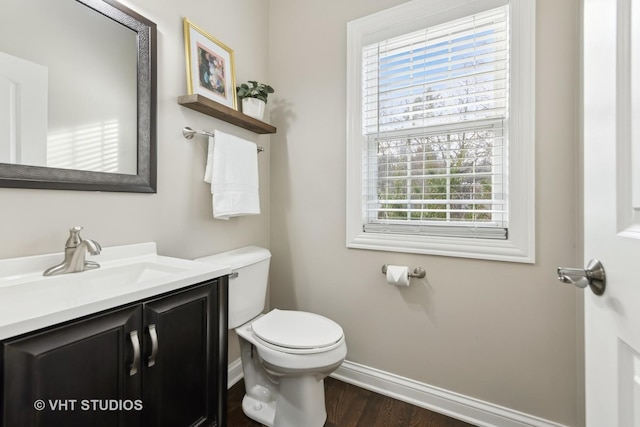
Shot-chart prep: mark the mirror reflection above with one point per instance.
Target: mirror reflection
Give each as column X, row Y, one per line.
column 68, row 85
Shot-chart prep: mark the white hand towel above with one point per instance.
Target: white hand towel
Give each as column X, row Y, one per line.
column 234, row 182
column 208, row 172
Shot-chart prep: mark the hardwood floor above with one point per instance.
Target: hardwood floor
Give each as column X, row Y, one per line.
column 351, row 406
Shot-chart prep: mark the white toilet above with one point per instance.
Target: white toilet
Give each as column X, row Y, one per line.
column 285, row 354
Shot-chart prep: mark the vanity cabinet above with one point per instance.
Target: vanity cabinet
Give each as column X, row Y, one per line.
column 159, row 362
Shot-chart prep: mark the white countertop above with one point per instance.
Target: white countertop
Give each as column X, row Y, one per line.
column 30, row 301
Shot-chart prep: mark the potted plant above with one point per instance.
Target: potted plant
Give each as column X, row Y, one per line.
column 254, row 98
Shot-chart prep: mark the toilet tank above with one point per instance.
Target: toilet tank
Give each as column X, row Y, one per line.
column 247, row 289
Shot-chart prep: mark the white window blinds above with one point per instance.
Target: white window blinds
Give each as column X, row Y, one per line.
column 434, row 117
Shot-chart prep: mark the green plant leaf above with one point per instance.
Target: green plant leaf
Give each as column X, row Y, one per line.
column 257, row 90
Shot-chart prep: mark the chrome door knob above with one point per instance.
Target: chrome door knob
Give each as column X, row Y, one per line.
column 592, row 276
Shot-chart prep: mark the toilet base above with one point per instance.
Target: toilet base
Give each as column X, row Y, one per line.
column 300, row 402
column 262, row 412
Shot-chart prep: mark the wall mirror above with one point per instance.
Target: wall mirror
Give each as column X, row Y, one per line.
column 77, row 96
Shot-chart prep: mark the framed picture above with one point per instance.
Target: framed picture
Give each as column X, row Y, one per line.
column 210, row 69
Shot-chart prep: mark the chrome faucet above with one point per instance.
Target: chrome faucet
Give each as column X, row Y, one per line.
column 75, row 251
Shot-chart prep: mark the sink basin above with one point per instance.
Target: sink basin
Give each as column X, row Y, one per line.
column 30, row 301
column 137, row 271
column 132, row 273
column 85, row 286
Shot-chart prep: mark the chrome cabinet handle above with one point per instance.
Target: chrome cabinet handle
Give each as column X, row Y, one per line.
column 154, row 345
column 592, row 276
column 135, row 343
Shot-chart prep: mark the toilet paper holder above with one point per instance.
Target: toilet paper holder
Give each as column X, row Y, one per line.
column 418, row 272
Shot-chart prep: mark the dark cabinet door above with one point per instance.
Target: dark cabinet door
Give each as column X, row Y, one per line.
column 159, row 363
column 181, row 344
column 75, row 374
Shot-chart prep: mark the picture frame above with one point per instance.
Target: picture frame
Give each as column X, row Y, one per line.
column 210, row 66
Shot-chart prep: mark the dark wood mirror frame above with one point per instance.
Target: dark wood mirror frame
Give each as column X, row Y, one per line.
column 22, row 176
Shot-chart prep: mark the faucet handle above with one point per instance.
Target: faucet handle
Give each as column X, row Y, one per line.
column 74, row 237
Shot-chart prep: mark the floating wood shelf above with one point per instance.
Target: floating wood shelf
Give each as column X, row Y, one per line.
column 222, row 112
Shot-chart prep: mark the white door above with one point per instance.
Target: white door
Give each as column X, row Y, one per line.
column 612, row 209
column 23, row 111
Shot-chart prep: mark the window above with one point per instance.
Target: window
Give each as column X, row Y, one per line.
column 440, row 129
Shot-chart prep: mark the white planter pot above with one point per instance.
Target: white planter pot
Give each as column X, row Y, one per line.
column 253, row 107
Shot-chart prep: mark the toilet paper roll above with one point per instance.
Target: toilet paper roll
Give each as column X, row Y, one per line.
column 398, row 275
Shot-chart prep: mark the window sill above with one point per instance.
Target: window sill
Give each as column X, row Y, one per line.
column 495, row 250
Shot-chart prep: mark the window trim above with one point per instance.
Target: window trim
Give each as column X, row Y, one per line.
column 416, row 14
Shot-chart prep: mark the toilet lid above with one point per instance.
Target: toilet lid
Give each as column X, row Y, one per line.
column 297, row 329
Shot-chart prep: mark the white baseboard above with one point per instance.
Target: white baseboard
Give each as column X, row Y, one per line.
column 446, row 402
column 454, row 405
column 234, row 373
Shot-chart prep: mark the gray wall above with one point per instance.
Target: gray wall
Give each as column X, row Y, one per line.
column 501, row 332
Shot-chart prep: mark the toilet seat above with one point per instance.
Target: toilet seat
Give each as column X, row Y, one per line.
column 297, row 332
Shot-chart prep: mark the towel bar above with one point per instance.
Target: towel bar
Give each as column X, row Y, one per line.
column 188, row 133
